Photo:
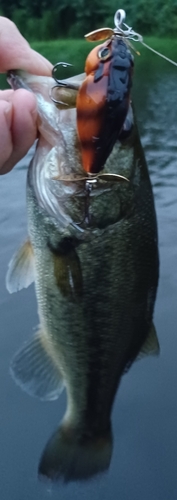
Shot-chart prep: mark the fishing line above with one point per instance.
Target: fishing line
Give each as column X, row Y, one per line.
column 130, row 34
column 126, row 34
column 158, row 53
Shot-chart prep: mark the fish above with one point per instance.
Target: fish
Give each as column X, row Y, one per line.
column 92, row 252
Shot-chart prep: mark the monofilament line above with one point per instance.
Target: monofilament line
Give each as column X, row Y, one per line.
column 159, row 54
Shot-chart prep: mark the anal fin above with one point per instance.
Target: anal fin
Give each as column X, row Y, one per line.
column 151, row 345
column 35, row 372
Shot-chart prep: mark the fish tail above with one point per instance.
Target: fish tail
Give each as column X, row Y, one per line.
column 70, row 457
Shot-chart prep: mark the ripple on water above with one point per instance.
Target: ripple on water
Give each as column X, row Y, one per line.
column 158, row 127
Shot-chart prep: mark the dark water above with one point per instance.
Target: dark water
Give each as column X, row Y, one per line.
column 145, row 412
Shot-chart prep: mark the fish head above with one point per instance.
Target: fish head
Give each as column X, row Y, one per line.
column 56, row 173
column 57, row 159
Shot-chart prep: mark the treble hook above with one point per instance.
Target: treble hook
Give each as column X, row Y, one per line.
column 53, row 98
column 89, row 184
column 61, row 83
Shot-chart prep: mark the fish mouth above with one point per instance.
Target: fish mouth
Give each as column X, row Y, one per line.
column 71, row 198
column 61, row 96
column 89, row 204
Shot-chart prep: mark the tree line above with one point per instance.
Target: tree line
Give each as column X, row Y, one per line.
column 52, row 19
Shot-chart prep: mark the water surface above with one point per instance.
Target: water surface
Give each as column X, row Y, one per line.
column 145, row 412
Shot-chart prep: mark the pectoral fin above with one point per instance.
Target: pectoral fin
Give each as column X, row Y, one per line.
column 67, row 270
column 68, row 276
column 20, row 273
column 35, row 371
column 151, row 346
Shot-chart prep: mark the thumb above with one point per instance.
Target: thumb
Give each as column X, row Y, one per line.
column 16, row 53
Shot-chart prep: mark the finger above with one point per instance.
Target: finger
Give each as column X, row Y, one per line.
column 23, row 128
column 5, row 135
column 6, row 95
column 16, row 53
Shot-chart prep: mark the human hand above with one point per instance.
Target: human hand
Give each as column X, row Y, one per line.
column 18, row 112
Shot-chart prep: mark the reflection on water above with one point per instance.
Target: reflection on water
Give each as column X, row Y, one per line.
column 159, row 135
column 145, row 411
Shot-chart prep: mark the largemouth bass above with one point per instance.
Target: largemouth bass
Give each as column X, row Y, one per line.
column 92, row 252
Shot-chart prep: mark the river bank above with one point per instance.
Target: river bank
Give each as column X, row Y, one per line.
column 76, row 51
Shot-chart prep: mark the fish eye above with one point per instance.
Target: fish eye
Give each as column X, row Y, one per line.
column 104, row 53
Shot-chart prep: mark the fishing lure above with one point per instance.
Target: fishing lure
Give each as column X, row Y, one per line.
column 103, row 101
column 103, row 98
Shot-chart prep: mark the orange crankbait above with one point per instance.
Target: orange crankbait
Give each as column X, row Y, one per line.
column 103, row 101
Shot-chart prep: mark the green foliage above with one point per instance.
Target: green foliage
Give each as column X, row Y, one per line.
column 21, row 20
column 7, row 7
column 91, row 14
column 168, row 18
column 49, row 19
column 145, row 20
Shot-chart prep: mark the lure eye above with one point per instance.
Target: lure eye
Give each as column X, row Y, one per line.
column 104, row 53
